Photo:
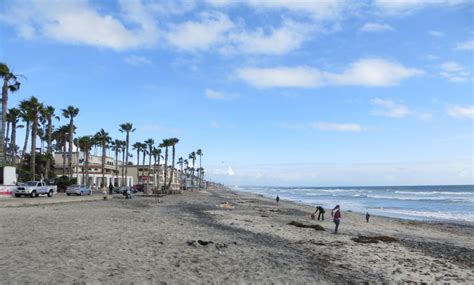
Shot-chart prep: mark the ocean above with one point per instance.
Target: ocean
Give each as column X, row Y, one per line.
column 429, row 203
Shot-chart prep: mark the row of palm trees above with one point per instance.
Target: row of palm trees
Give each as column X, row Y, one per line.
column 37, row 119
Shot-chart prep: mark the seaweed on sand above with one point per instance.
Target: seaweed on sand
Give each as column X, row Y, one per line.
column 301, row 225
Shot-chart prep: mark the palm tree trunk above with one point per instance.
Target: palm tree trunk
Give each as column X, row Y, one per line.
column 116, row 165
column 158, row 175
column 34, row 131
column 104, row 149
column 27, row 136
column 149, row 170
column 6, row 141
column 172, row 166
column 64, row 154
column 86, row 164
column 166, row 166
column 126, row 157
column 154, row 172
column 13, row 143
column 138, row 164
column 71, row 131
column 4, row 116
column 50, row 147
column 123, row 167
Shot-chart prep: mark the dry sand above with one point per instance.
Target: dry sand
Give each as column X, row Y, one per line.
column 142, row 241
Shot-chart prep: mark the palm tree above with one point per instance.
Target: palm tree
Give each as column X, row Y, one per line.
column 138, row 146
column 126, row 128
column 10, row 83
column 85, row 145
column 192, row 156
column 149, row 143
column 103, row 139
column 165, row 144
column 180, row 163
column 14, row 114
column 199, row 152
column 48, row 114
column 35, row 107
column 61, row 135
column 117, row 146
column 172, row 142
column 156, row 155
column 27, row 117
column 70, row 113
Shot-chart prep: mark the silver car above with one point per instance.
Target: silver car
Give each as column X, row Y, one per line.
column 78, row 190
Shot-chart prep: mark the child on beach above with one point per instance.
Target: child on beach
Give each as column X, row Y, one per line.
column 336, row 215
column 321, row 212
column 278, row 199
column 367, row 217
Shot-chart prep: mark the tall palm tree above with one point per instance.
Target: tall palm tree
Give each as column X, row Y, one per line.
column 180, row 163
column 117, row 146
column 165, row 144
column 149, row 143
column 48, row 114
column 10, row 83
column 27, row 117
column 103, row 139
column 192, row 156
column 156, row 156
column 199, row 152
column 126, row 128
column 14, row 115
column 138, row 146
column 85, row 145
column 70, row 113
column 172, row 142
column 35, row 107
column 9, row 120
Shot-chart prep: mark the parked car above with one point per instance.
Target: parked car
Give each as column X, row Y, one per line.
column 138, row 188
column 78, row 190
column 121, row 189
column 34, row 189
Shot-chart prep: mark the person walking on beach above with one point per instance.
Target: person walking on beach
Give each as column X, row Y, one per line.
column 278, row 199
column 367, row 217
column 321, row 212
column 336, row 217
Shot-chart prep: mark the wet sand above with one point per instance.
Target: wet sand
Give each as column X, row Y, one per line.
column 189, row 238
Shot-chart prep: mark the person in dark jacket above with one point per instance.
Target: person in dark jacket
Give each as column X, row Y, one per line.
column 277, row 199
column 321, row 212
column 367, row 217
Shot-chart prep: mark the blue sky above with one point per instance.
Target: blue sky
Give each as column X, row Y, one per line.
column 274, row 92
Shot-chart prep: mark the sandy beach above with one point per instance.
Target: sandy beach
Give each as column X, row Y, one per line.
column 193, row 238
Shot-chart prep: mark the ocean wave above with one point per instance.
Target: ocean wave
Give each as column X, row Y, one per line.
column 445, row 199
column 441, row 215
column 434, row 193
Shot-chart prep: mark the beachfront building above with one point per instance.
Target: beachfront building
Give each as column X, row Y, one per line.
column 113, row 173
column 154, row 176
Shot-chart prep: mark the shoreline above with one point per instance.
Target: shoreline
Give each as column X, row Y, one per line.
column 410, row 218
column 221, row 236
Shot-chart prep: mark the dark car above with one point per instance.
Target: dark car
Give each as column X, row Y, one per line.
column 138, row 188
column 121, row 189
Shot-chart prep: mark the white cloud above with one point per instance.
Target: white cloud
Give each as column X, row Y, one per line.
column 317, row 10
column 347, row 127
column 215, row 95
column 215, row 124
column 375, row 27
column 461, row 112
column 136, row 60
column 407, row 6
column 389, row 108
column 277, row 41
column 436, row 34
column 200, row 35
column 467, row 45
column 364, row 72
column 454, row 72
column 281, row 77
column 77, row 22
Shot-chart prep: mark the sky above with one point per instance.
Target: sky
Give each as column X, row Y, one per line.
column 277, row 93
